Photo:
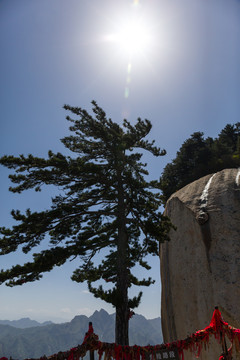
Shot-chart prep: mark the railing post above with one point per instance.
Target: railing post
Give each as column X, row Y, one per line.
column 91, row 351
column 91, row 354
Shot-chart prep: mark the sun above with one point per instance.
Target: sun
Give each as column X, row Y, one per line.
column 130, row 34
column 133, row 37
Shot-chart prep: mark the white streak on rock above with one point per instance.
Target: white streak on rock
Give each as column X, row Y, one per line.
column 204, row 196
column 238, row 177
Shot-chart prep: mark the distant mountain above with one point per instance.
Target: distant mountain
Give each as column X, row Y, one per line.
column 49, row 339
column 24, row 323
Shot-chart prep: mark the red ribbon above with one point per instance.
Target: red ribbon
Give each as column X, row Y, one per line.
column 90, row 331
column 217, row 321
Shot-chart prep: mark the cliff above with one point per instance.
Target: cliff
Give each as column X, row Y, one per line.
column 200, row 266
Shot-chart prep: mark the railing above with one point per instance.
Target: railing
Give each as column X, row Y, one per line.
column 113, row 351
column 171, row 351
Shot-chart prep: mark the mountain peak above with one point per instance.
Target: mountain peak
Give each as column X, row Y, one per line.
column 101, row 312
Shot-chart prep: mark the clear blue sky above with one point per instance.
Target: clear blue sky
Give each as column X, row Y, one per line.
column 184, row 77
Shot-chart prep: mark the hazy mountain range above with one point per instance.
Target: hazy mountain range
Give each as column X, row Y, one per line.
column 26, row 338
column 24, row 323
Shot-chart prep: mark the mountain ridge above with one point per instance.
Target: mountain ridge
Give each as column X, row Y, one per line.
column 34, row 342
column 24, row 323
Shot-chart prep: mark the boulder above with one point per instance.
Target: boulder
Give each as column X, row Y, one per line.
column 200, row 266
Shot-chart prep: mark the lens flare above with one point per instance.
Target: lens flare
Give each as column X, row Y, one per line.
column 132, row 38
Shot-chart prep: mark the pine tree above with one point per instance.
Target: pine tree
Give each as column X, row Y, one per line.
column 198, row 157
column 105, row 204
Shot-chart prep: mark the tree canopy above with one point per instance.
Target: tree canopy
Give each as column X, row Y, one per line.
column 105, row 206
column 198, row 157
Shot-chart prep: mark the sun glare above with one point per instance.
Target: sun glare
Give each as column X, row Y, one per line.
column 130, row 34
column 133, row 37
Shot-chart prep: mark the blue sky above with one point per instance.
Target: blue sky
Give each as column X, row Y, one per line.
column 186, row 78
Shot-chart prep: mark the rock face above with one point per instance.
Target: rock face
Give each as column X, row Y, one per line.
column 200, row 266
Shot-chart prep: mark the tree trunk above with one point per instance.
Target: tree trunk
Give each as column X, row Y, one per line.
column 121, row 330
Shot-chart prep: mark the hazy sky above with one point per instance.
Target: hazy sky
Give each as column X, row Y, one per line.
column 183, row 75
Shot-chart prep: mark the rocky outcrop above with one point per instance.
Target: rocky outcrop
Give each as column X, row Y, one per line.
column 200, row 266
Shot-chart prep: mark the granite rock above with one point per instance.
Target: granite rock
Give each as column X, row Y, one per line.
column 200, row 266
